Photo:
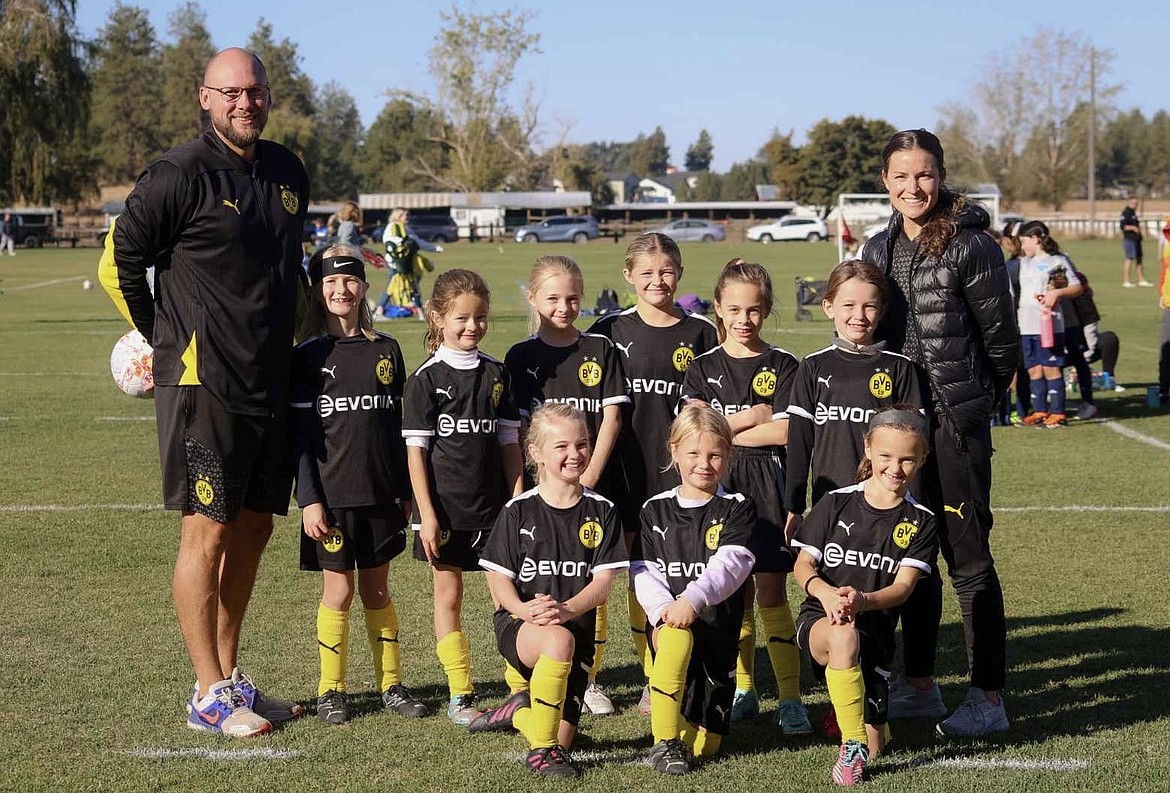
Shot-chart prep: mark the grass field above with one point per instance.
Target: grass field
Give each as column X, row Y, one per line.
column 94, row 671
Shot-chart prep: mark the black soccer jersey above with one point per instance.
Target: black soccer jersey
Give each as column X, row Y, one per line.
column 587, row 374
column 655, row 361
column 347, row 421
column 459, row 412
column 553, row 551
column 731, row 384
column 834, row 395
column 858, row 545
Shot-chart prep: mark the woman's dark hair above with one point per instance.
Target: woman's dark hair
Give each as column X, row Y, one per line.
column 1037, row 229
column 943, row 221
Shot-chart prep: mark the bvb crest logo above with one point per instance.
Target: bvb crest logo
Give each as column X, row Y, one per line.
column 764, row 383
column 682, row 357
column 591, row 534
column 384, row 371
column 711, row 538
column 880, row 385
column 497, row 393
column 589, row 372
column 333, row 541
column 204, row 491
column 289, row 200
column 903, row 533
column 444, row 537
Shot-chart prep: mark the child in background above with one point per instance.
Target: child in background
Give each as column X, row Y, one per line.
column 550, row 563
column 1046, row 277
column 749, row 381
column 462, row 431
column 690, row 567
column 846, row 624
column 352, row 482
column 1013, row 254
column 560, row 364
column 658, row 341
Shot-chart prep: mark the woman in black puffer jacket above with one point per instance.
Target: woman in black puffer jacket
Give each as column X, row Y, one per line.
column 951, row 313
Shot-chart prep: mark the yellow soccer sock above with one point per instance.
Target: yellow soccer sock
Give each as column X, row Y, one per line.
column 600, row 637
column 745, row 664
column 539, row 722
column 687, row 735
column 333, row 647
column 706, row 744
column 456, row 660
column 780, row 633
column 515, row 680
column 847, row 693
column 667, row 679
column 382, row 628
column 638, row 627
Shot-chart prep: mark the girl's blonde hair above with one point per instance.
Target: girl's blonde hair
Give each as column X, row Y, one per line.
column 350, row 211
column 538, row 427
column 449, row 286
column 695, row 419
column 313, row 320
column 544, row 268
column 903, row 418
column 744, row 273
column 398, row 215
column 653, row 244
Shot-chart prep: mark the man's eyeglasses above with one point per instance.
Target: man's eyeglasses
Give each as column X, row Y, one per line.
column 257, row 93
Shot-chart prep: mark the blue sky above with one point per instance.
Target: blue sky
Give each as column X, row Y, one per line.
column 738, row 69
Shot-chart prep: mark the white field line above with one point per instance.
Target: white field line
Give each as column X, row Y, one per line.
column 1129, row 432
column 1082, row 508
column 40, row 284
column 57, row 373
column 216, row 754
column 1006, row 764
column 25, row 508
column 124, row 418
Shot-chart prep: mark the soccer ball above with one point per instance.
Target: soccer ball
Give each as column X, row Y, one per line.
column 87, row 284
column 132, row 365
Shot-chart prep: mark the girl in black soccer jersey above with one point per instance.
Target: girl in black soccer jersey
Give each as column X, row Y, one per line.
column 558, row 363
column 837, row 389
column 749, row 381
column 862, row 549
column 690, row 565
column 551, row 562
column 352, row 483
column 462, row 438
column 658, row 341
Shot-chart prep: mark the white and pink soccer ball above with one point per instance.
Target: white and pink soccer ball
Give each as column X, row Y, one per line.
column 132, row 365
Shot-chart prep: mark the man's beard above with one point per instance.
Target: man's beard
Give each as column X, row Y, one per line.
column 240, row 139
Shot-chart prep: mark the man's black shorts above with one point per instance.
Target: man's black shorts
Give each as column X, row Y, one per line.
column 214, row 462
column 456, row 549
column 361, row 537
column 507, row 629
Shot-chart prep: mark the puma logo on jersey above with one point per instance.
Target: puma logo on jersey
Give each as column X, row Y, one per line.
column 659, row 530
column 233, row 204
column 625, row 348
column 846, row 526
column 330, row 370
column 722, row 711
column 955, row 510
column 446, row 391
column 825, row 380
column 534, row 372
column 529, row 533
column 716, row 380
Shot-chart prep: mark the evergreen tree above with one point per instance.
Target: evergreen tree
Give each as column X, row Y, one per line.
column 183, row 62
column 293, row 97
column 398, row 154
column 338, row 113
column 700, row 153
column 841, row 157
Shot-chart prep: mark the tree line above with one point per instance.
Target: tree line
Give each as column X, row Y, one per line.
column 80, row 113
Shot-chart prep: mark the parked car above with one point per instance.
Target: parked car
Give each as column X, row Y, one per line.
column 692, row 231
column 438, row 229
column 560, row 228
column 32, row 227
column 790, row 228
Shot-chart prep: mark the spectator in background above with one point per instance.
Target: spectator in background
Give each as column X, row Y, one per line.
column 7, row 229
column 1131, row 233
column 349, row 225
column 1164, row 302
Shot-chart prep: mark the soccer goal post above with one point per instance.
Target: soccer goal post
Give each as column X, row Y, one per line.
column 859, row 216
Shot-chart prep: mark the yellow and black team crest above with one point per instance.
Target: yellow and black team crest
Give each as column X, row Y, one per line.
column 444, row 537
column 764, row 383
column 880, row 384
column 711, row 538
column 289, row 200
column 497, row 393
column 589, row 372
column 591, row 533
column 204, row 491
column 903, row 533
column 682, row 356
column 384, row 371
column 333, row 541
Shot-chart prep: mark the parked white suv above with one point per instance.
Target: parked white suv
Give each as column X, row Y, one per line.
column 790, row 227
